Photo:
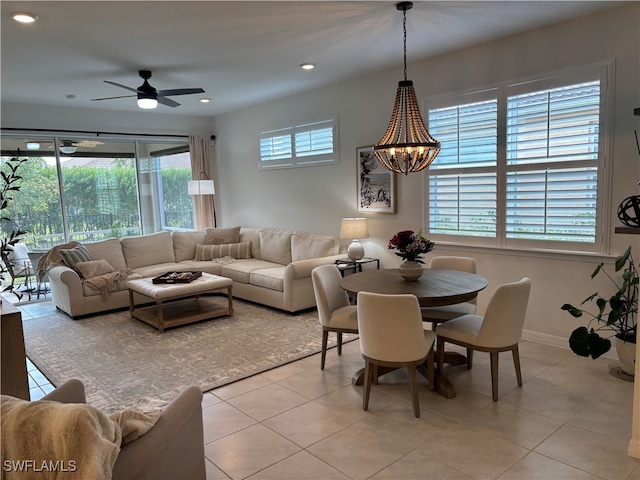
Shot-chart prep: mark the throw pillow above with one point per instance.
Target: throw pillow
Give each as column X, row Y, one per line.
column 93, row 268
column 74, row 255
column 219, row 236
column 235, row 250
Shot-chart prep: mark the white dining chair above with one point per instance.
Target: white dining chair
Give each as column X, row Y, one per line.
column 437, row 315
column 392, row 335
column 335, row 312
column 499, row 330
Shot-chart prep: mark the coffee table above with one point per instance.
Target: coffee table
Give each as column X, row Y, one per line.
column 180, row 303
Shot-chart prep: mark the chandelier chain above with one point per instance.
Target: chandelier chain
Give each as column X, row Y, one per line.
column 404, row 37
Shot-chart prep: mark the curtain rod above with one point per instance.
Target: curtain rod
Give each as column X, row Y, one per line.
column 96, row 133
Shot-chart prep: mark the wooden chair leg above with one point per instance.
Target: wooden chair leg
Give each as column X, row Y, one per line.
column 323, row 355
column 367, row 384
column 339, row 343
column 374, row 373
column 440, row 354
column 469, row 358
column 413, row 382
column 431, row 372
column 516, row 363
column 494, row 375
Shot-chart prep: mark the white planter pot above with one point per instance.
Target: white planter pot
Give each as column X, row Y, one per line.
column 627, row 355
column 410, row 270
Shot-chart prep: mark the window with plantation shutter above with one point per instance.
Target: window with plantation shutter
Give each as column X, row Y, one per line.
column 300, row 145
column 521, row 164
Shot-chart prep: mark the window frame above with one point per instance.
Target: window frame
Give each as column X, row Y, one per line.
column 295, row 159
column 603, row 71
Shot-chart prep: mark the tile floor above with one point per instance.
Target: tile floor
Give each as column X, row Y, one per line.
column 570, row 420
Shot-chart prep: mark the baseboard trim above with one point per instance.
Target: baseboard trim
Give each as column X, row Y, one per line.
column 557, row 341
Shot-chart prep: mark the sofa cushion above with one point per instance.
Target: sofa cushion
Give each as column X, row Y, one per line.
column 162, row 268
column 235, row 250
column 306, row 245
column 240, row 270
column 248, row 234
column 218, row 236
column 74, row 255
column 184, row 244
column 110, row 250
column 271, row 278
column 150, row 249
column 275, row 245
column 93, row 268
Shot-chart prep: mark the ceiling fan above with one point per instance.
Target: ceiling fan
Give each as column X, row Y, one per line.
column 149, row 97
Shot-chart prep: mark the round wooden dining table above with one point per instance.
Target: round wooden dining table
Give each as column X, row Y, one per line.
column 436, row 287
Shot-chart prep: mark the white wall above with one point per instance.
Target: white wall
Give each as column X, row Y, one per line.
column 316, row 198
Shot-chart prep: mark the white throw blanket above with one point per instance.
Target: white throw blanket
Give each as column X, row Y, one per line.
column 51, row 440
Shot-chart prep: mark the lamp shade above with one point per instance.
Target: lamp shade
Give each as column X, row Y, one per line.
column 354, row 228
column 201, row 187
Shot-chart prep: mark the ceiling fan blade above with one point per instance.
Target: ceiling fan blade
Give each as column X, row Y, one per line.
column 179, row 91
column 121, row 86
column 167, row 101
column 111, row 98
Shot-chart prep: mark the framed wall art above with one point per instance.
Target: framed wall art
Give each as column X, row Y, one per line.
column 376, row 184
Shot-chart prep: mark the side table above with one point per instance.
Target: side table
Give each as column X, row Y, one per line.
column 344, row 264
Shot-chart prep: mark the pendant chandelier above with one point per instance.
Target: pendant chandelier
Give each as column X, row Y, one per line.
column 406, row 146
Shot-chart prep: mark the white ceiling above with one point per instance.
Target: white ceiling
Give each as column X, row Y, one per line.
column 241, row 53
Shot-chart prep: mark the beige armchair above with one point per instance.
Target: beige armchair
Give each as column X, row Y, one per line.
column 172, row 450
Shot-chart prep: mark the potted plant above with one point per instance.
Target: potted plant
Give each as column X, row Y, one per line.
column 11, row 234
column 616, row 314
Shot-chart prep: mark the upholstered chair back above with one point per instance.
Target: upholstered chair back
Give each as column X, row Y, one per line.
column 390, row 327
column 329, row 295
column 504, row 318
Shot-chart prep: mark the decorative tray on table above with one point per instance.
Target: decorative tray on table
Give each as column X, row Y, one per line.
column 177, row 277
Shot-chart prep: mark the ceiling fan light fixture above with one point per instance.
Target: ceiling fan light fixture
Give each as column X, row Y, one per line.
column 147, row 103
column 68, row 149
column 407, row 145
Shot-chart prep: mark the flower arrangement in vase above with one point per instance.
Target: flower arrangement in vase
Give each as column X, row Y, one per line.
column 410, row 245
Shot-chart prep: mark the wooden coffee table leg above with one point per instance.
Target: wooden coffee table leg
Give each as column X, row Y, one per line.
column 230, row 300
column 159, row 315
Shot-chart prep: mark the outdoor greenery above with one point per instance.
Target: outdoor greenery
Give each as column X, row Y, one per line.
column 10, row 186
column 100, row 202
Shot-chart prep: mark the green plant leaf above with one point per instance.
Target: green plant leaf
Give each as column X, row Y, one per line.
column 587, row 343
column 622, row 259
column 598, row 268
column 576, row 312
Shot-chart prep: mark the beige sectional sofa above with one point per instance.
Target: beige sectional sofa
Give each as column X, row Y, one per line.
column 271, row 267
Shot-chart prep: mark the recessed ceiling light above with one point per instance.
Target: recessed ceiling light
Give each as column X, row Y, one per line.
column 24, row 17
column 205, row 100
column 307, row 66
column 33, row 145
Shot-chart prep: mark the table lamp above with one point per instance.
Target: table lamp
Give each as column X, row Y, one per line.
column 354, row 228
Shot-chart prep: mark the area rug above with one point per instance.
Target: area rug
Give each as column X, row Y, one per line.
column 120, row 359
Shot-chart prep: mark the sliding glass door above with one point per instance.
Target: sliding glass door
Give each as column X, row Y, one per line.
column 90, row 189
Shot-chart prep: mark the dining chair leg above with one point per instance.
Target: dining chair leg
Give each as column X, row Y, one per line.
column 367, row 384
column 374, row 374
column 516, row 363
column 440, row 353
column 323, row 355
column 469, row 358
column 339, row 343
column 494, row 374
column 431, row 369
column 413, row 382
